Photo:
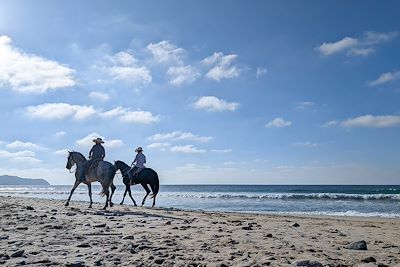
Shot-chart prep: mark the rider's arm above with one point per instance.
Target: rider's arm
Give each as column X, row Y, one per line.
column 134, row 161
column 91, row 152
column 104, row 153
column 144, row 158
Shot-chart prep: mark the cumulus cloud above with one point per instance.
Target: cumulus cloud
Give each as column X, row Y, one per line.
column 362, row 46
column 330, row 123
column 371, row 121
column 28, row 73
column 212, row 103
column 385, row 78
column 161, row 146
column 59, row 111
column 221, row 150
column 187, row 149
column 99, row 96
column 278, row 123
column 336, row 47
column 23, row 145
column 62, row 152
column 60, row 134
column 182, row 75
column 24, row 153
column 261, row 72
column 305, row 105
column 108, row 143
column 166, row 52
column 372, row 38
column 179, row 136
column 221, row 66
column 26, row 160
column 124, row 67
column 361, row 51
column 129, row 116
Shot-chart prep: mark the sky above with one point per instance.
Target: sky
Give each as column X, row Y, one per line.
column 216, row 92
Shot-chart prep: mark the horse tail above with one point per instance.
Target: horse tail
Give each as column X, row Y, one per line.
column 109, row 180
column 156, row 186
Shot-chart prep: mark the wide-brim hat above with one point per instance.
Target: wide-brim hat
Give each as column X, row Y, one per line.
column 139, row 149
column 98, row 140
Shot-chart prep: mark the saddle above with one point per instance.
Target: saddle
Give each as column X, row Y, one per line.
column 134, row 176
column 93, row 165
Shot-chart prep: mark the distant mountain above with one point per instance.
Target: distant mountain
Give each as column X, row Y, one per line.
column 15, row 180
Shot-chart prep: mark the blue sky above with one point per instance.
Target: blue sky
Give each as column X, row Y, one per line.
column 267, row 92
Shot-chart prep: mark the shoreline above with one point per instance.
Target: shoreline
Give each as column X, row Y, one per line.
column 49, row 234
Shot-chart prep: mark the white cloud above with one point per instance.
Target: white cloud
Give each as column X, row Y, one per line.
column 179, row 136
column 278, row 123
column 187, row 149
column 128, row 116
column 99, row 96
column 305, row 144
column 305, row 105
column 24, row 153
column 212, row 103
column 160, row 146
column 62, row 152
column 124, row 67
column 361, row 51
column 330, row 123
column 123, row 58
column 385, row 78
column 336, row 47
column 166, row 52
column 143, row 117
column 261, row 72
column 372, row 38
column 23, row 145
column 27, row 73
column 26, row 160
column 60, row 111
column 222, row 67
column 88, row 141
column 363, row 46
column 60, row 134
column 221, row 150
column 371, row 121
column 182, row 75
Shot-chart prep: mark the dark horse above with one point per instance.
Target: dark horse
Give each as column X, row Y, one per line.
column 103, row 173
column 146, row 177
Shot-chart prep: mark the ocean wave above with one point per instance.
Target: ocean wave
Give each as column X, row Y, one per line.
column 349, row 213
column 287, row 196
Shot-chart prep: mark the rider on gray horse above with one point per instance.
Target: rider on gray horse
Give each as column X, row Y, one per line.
column 96, row 154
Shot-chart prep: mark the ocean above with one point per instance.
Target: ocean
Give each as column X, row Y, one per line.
column 339, row 200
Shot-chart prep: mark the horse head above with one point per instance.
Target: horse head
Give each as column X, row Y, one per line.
column 70, row 161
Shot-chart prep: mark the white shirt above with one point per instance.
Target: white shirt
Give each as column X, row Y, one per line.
column 140, row 160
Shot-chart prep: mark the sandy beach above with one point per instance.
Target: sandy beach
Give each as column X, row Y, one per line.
column 38, row 232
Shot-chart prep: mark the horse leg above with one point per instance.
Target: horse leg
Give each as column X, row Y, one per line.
column 154, row 194
column 112, row 193
column 77, row 182
column 130, row 194
column 123, row 197
column 90, row 194
column 107, row 192
column 147, row 192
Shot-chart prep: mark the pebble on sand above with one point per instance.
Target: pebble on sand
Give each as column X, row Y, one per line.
column 308, row 263
column 358, row 245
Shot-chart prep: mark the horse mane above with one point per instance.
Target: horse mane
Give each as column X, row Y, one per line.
column 79, row 153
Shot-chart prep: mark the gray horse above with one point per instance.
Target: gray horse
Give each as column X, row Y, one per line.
column 103, row 173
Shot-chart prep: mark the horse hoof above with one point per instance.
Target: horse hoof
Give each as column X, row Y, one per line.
column 66, row 204
column 111, row 204
column 121, row 203
column 90, row 206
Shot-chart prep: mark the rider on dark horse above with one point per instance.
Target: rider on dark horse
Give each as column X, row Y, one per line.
column 96, row 154
column 137, row 165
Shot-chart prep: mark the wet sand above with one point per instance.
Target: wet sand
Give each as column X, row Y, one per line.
column 38, row 232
